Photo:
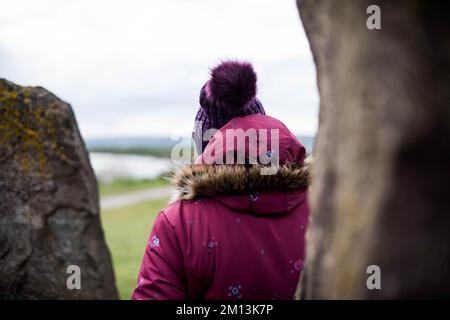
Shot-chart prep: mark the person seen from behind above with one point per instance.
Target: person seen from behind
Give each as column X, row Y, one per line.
column 233, row 230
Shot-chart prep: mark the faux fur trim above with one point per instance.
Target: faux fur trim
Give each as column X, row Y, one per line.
column 194, row 181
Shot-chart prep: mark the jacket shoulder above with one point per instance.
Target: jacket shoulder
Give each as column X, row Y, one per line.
column 180, row 212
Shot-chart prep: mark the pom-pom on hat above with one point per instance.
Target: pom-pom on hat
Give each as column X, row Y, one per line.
column 232, row 86
column 230, row 92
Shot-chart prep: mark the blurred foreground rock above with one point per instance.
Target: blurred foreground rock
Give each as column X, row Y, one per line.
column 381, row 193
column 49, row 210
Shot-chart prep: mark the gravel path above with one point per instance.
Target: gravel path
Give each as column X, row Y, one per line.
column 122, row 200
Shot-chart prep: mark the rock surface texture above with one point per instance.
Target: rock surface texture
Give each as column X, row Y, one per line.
column 380, row 186
column 49, row 208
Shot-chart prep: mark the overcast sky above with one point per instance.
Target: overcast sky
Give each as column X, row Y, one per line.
column 135, row 67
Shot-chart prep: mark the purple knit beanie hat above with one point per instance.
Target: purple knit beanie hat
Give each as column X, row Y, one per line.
column 229, row 93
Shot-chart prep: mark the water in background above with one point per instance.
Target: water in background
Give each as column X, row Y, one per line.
column 111, row 166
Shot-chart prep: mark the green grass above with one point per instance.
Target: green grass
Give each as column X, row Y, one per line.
column 127, row 230
column 129, row 185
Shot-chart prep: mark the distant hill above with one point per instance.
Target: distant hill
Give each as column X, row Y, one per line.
column 156, row 146
column 138, row 142
column 307, row 142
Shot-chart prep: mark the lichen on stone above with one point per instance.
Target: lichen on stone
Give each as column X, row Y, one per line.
column 28, row 127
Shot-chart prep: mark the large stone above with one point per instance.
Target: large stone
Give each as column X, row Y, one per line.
column 380, row 186
column 49, row 209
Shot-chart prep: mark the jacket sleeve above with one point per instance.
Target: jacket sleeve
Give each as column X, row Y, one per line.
column 162, row 275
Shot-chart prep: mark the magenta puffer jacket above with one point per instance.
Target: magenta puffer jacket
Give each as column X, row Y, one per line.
column 231, row 232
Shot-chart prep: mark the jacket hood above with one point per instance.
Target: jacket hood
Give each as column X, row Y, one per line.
column 251, row 138
column 242, row 187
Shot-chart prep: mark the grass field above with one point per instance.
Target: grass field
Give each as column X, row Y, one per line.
column 129, row 185
column 127, row 230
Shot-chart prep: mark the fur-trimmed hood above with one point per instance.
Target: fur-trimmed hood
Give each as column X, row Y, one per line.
column 246, row 188
column 198, row 180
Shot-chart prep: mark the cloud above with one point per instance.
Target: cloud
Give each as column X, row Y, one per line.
column 136, row 67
